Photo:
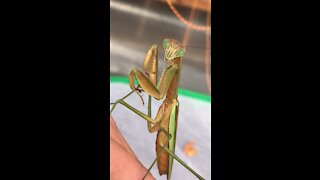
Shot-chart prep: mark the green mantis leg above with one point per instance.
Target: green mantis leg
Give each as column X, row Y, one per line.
column 181, row 162
column 163, row 113
column 151, row 128
column 115, row 104
column 164, row 147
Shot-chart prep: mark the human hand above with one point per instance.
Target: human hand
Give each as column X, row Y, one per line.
column 124, row 164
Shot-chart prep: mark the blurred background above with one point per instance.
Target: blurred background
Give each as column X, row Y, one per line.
column 135, row 25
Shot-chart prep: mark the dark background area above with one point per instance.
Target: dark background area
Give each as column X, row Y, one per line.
column 55, row 90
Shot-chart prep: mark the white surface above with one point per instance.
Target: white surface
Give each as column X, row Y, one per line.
column 194, row 124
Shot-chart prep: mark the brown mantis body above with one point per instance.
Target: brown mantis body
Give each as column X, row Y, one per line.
column 165, row 122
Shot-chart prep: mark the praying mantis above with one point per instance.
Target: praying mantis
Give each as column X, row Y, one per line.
column 165, row 122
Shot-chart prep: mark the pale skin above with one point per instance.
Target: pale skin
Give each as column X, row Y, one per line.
column 123, row 159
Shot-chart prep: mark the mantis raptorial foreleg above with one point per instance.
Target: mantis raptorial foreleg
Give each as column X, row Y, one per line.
column 148, row 86
column 150, row 69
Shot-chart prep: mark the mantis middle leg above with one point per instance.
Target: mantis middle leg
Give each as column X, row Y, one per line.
column 164, row 112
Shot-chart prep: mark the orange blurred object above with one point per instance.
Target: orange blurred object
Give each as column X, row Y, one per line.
column 189, row 149
column 202, row 5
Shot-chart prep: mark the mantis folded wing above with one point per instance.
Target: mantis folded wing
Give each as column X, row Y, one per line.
column 165, row 122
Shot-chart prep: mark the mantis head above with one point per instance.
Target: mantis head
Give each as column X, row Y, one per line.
column 173, row 49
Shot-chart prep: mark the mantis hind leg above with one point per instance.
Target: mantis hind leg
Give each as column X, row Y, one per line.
column 181, row 162
column 164, row 147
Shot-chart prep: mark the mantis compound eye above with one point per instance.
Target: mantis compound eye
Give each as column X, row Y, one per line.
column 180, row 52
column 165, row 43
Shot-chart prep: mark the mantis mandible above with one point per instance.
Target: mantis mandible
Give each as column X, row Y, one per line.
column 166, row 120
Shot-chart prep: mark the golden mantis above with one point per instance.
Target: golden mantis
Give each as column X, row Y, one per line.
column 165, row 122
